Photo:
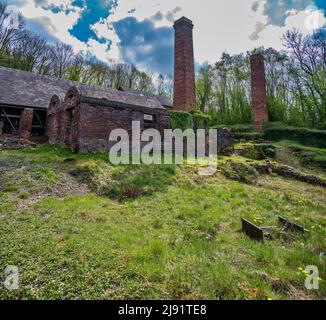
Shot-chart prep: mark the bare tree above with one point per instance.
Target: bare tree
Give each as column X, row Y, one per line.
column 62, row 55
column 7, row 34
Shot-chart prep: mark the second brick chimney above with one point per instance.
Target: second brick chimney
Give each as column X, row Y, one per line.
column 258, row 91
column 184, row 97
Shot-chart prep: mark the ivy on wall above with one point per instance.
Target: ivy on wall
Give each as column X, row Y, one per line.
column 185, row 120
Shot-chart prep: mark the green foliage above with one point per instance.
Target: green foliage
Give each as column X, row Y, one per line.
column 10, row 187
column 181, row 120
column 310, row 137
column 241, row 171
column 296, row 90
column 189, row 120
column 24, row 195
column 124, row 182
column 248, row 128
column 308, row 156
column 182, row 242
column 45, row 175
column 201, row 120
column 276, row 109
column 255, row 151
column 248, row 136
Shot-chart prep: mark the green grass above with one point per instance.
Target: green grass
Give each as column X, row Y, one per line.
column 310, row 159
column 76, row 231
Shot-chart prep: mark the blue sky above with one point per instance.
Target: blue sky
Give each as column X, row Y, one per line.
column 140, row 31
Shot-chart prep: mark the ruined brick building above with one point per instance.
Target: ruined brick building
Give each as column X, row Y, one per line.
column 24, row 99
column 82, row 117
column 85, row 117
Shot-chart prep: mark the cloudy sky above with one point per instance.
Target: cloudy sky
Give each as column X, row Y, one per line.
column 140, row 31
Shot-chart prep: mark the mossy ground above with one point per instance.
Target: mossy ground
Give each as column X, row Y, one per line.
column 86, row 229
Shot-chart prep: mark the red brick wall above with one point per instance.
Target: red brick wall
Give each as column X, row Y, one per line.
column 54, row 122
column 184, row 67
column 87, row 127
column 258, row 91
column 25, row 123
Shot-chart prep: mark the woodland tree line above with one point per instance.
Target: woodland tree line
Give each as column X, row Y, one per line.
column 296, row 83
column 296, row 77
column 24, row 50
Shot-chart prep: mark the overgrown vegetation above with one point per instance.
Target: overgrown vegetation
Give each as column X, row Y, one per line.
column 309, row 137
column 276, row 131
column 189, row 120
column 181, row 120
column 180, row 239
column 124, row 182
column 295, row 76
column 296, row 86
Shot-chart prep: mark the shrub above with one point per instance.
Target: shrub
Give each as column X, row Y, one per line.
column 124, row 182
column 200, row 120
column 24, row 195
column 181, row 120
column 310, row 137
column 189, row 120
column 248, row 136
column 240, row 128
column 10, row 188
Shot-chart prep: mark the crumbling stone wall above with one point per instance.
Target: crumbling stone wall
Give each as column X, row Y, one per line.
column 258, row 91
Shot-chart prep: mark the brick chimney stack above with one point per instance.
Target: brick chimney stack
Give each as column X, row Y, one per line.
column 184, row 97
column 258, row 91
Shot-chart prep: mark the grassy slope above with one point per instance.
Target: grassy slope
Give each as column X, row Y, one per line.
column 178, row 238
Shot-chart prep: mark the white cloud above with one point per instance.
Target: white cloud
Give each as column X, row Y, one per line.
column 223, row 25
column 62, row 22
column 301, row 20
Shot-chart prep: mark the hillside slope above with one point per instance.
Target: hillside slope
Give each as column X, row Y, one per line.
column 79, row 228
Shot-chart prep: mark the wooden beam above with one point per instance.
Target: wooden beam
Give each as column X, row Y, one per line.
column 290, row 226
column 6, row 116
column 252, row 231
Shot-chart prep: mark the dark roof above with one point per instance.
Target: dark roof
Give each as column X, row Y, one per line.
column 26, row 89
column 164, row 101
column 118, row 96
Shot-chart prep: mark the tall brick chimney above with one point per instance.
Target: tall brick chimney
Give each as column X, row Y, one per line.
column 184, row 97
column 258, row 91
